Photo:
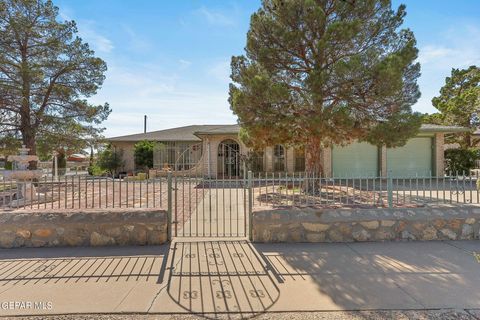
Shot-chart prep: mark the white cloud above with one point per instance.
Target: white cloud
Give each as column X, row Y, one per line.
column 171, row 109
column 184, row 64
column 135, row 41
column 97, row 41
column 87, row 30
column 65, row 13
column 456, row 56
column 432, row 53
column 167, row 99
column 215, row 17
column 220, row 71
column 459, row 48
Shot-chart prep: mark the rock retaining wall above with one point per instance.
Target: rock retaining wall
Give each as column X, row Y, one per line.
column 349, row 225
column 83, row 228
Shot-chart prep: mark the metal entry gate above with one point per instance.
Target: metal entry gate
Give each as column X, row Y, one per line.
column 200, row 207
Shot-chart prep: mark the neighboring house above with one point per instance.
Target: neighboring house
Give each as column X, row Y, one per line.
column 216, row 150
column 77, row 157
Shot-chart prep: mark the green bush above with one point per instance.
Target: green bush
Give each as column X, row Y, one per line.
column 143, row 154
column 460, row 161
column 8, row 165
column 95, row 170
column 110, row 160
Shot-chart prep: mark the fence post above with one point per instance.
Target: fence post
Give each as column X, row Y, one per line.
column 169, row 206
column 250, row 206
column 389, row 190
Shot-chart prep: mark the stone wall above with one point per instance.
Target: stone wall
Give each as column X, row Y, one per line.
column 83, row 228
column 349, row 225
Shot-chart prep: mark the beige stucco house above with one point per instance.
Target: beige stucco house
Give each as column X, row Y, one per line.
column 216, row 150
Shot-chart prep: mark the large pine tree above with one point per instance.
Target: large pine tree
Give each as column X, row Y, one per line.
column 324, row 72
column 46, row 75
column 459, row 105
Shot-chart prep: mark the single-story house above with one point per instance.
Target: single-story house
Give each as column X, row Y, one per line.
column 216, row 150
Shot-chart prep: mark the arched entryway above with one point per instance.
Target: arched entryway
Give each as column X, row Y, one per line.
column 228, row 164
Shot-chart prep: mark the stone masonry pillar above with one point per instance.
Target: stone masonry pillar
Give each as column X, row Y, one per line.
column 383, row 161
column 269, row 159
column 326, row 156
column 290, row 160
column 439, row 160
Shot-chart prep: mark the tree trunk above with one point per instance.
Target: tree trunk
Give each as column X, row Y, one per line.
column 28, row 139
column 313, row 168
column 313, row 159
column 468, row 140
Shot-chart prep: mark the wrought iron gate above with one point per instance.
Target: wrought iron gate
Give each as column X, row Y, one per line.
column 215, row 207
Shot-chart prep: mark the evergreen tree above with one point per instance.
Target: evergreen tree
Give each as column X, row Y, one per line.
column 324, row 72
column 46, row 75
column 459, row 104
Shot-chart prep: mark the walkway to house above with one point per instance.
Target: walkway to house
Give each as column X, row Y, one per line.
column 236, row 279
column 219, row 212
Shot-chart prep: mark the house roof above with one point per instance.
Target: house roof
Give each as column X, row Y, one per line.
column 441, row 128
column 224, row 129
column 187, row 133
column 192, row 133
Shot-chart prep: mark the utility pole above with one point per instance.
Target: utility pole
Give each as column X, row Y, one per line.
column 145, row 124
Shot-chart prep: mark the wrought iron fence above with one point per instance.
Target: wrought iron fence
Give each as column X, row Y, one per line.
column 281, row 189
column 266, row 189
column 83, row 192
column 477, row 164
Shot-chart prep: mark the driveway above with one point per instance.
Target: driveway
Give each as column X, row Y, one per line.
column 237, row 279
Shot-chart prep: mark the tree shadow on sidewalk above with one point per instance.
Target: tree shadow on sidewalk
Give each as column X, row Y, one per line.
column 369, row 276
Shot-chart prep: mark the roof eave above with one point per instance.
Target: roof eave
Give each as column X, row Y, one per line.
column 157, row 140
column 214, row 133
column 443, row 130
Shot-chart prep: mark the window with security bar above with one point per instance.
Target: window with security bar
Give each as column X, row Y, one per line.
column 278, row 158
column 177, row 156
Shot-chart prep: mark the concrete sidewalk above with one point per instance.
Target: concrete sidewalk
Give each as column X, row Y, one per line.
column 237, row 279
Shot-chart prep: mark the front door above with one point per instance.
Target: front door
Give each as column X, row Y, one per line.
column 228, row 159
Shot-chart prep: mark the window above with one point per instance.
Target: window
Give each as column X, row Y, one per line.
column 255, row 161
column 278, row 158
column 299, row 159
column 176, row 155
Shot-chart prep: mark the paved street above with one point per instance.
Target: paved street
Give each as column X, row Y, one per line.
column 236, row 279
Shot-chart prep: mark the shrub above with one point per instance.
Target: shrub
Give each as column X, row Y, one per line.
column 110, row 160
column 8, row 165
column 143, row 153
column 460, row 161
column 95, row 170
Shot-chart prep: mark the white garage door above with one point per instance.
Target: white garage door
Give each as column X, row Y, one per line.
column 413, row 159
column 359, row 159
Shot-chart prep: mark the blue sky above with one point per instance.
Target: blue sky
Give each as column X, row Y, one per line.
column 170, row 59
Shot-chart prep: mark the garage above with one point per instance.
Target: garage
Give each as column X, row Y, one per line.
column 359, row 159
column 413, row 159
